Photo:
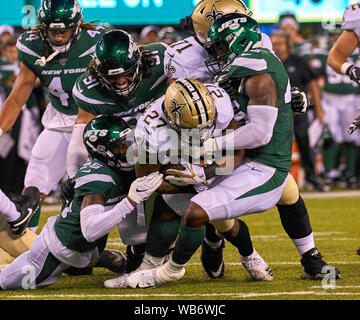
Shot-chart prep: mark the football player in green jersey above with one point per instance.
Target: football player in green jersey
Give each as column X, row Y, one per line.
column 77, row 236
column 263, row 99
column 123, row 79
column 56, row 51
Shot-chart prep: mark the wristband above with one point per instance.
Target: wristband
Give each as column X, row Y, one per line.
column 1, row 132
column 345, row 66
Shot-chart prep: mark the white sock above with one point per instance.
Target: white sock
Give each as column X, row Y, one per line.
column 170, row 271
column 249, row 256
column 8, row 208
column 304, row 244
column 150, row 262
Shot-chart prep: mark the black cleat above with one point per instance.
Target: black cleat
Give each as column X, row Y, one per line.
column 358, row 251
column 315, row 267
column 213, row 260
column 134, row 255
column 113, row 260
column 26, row 204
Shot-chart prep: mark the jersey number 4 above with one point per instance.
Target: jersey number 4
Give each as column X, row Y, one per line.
column 56, row 89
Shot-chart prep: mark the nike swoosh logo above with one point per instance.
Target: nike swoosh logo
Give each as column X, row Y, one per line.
column 138, row 190
column 218, row 272
column 86, row 171
column 255, row 169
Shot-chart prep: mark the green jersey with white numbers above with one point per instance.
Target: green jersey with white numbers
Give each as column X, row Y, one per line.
column 90, row 96
column 59, row 74
column 93, row 177
column 277, row 153
column 334, row 82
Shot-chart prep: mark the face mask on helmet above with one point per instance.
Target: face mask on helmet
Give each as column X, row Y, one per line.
column 117, row 63
column 190, row 110
column 107, row 139
column 59, row 23
column 228, row 38
column 208, row 11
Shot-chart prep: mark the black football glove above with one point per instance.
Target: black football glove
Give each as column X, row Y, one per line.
column 224, row 82
column 354, row 73
column 67, row 190
column 355, row 125
column 187, row 26
column 300, row 102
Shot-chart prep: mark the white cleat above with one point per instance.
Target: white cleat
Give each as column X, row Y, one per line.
column 142, row 279
column 169, row 271
column 257, row 267
column 117, row 283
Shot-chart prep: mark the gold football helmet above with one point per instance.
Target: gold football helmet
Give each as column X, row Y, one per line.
column 189, row 105
column 207, row 11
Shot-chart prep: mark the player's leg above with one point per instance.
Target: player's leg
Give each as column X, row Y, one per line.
column 32, row 269
column 14, row 245
column 164, row 218
column 296, row 223
column 245, row 191
column 47, row 165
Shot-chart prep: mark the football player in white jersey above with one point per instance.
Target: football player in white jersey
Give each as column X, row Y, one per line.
column 344, row 48
column 188, row 104
column 188, row 58
column 346, row 44
column 258, row 183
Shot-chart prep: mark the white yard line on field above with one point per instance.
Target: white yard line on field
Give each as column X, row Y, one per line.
column 168, row 295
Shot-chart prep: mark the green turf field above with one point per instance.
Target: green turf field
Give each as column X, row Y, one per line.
column 336, row 227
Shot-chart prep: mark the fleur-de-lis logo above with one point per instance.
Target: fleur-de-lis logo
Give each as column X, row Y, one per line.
column 169, row 69
column 213, row 15
column 176, row 109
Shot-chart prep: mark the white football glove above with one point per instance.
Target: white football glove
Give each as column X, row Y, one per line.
column 142, row 188
column 192, row 174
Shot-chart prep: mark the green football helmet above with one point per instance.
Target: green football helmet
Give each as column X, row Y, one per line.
column 106, row 138
column 60, row 15
column 117, row 55
column 229, row 37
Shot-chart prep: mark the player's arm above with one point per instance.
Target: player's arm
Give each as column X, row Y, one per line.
column 77, row 154
column 142, row 169
column 96, row 222
column 201, row 174
column 342, row 49
column 18, row 96
column 262, row 113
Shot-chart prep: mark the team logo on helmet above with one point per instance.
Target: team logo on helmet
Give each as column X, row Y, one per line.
column 213, row 15
column 132, row 48
column 75, row 10
column 176, row 109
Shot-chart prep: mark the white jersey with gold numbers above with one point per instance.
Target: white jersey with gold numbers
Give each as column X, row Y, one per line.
column 186, row 59
column 152, row 132
column 351, row 19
